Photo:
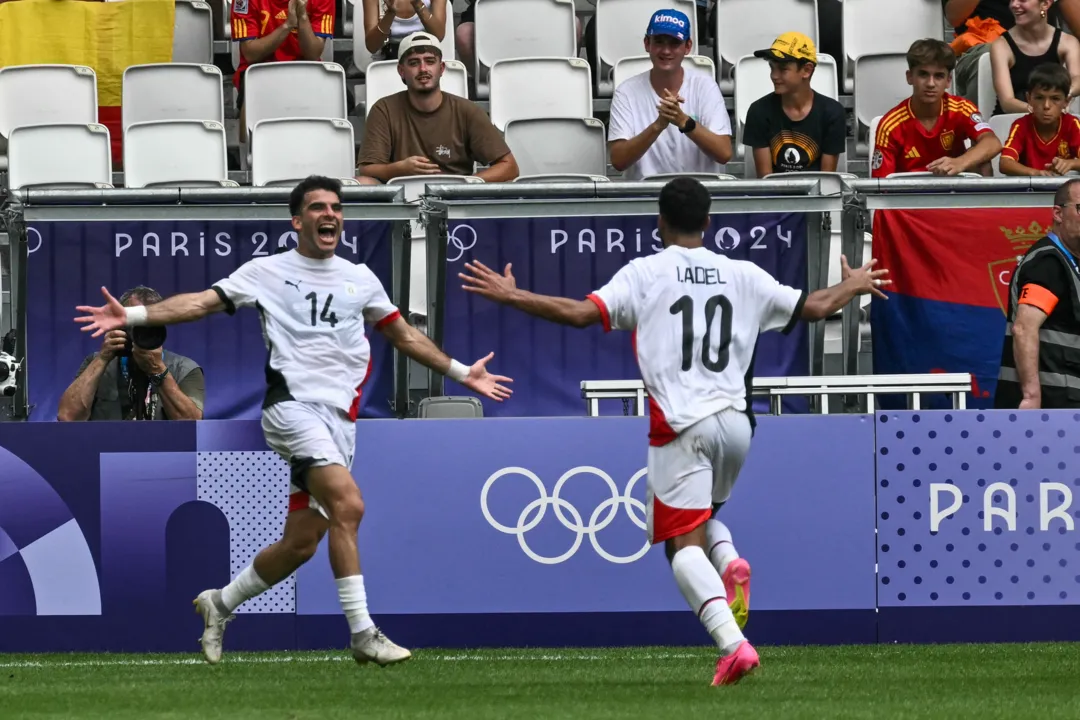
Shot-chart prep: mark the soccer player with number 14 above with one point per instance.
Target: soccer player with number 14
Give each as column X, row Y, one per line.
column 696, row 316
column 313, row 305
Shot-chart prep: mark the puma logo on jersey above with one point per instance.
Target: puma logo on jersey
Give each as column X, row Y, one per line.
column 294, row 284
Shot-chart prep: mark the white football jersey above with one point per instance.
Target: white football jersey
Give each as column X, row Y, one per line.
column 696, row 316
column 313, row 314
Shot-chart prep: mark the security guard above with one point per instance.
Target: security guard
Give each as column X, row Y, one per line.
column 1040, row 360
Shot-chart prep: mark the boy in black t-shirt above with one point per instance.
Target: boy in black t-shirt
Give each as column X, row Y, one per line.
column 794, row 129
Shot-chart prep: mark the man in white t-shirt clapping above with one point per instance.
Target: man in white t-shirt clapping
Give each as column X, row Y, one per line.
column 668, row 120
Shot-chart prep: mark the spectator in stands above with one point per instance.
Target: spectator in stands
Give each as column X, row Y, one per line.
column 977, row 24
column 667, row 120
column 278, row 31
column 793, row 128
column 424, row 131
column 927, row 131
column 125, row 382
column 1040, row 359
column 1031, row 42
column 388, row 22
column 1046, row 141
column 465, row 37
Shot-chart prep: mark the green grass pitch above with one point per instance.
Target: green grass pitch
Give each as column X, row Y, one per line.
column 900, row 681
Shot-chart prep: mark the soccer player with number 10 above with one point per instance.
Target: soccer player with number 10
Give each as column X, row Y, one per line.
column 313, row 305
column 696, row 316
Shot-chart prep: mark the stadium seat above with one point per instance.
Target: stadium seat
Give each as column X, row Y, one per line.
column 175, row 153
column 46, row 94
column 234, row 51
column 447, row 407
column 927, row 173
column 536, row 87
column 743, row 27
column 414, row 186
column 567, row 178
column 294, row 90
column 620, row 29
column 987, row 95
column 559, row 146
column 752, row 81
column 663, row 177
column 382, row 79
column 628, row 67
column 508, row 29
column 193, row 32
column 172, row 91
column 882, row 84
column 866, row 34
column 1001, row 124
column 60, row 155
column 287, row 150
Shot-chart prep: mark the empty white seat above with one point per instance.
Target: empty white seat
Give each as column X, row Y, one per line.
column 986, row 95
column 382, row 79
column 61, row 155
column 1001, row 124
column 752, row 82
column 414, row 187
column 193, row 32
column 46, row 94
column 533, row 87
column 560, row 146
column 564, row 178
column 872, row 29
column 628, row 67
column 882, row 84
column 697, row 176
column 287, row 150
column 745, row 26
column 175, row 153
column 620, row 29
column 172, row 91
column 522, row 28
column 294, row 90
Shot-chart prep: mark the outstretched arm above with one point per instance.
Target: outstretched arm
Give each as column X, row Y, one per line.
column 503, row 289
column 822, row 303
column 419, row 347
column 177, row 309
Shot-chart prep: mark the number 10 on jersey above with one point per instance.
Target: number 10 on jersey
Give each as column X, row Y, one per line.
column 685, row 307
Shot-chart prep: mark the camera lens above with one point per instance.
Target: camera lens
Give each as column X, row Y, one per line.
column 5, row 371
column 148, row 337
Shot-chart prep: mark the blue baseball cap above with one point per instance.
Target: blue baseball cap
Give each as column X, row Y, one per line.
column 669, row 22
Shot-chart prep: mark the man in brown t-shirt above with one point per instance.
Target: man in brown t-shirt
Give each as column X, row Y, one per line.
column 424, row 131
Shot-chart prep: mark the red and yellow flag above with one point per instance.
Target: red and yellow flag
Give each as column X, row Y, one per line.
column 106, row 36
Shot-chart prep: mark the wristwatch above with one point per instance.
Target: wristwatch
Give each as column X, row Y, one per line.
column 689, row 127
column 157, row 380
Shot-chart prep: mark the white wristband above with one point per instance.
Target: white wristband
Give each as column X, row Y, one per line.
column 458, row 371
column 136, row 315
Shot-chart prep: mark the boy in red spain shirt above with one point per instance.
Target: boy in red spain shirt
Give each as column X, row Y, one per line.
column 927, row 131
column 1046, row 141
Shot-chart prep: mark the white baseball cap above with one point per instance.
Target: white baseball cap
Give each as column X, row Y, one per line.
column 418, row 40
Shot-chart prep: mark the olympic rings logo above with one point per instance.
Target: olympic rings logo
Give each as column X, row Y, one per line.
column 458, row 243
column 602, row 516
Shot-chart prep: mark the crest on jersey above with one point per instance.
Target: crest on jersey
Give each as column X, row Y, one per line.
column 947, row 139
column 240, row 7
column 1063, row 149
column 350, row 288
column 877, row 160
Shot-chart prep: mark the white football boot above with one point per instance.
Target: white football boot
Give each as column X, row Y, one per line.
column 372, row 646
column 215, row 616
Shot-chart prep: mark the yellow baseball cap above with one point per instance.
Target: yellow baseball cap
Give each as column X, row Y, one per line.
column 790, row 46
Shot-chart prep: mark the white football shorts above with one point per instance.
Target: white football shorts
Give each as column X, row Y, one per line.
column 308, row 435
column 692, row 472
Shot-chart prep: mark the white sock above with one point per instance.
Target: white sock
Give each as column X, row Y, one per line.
column 721, row 548
column 353, row 598
column 247, row 585
column 703, row 589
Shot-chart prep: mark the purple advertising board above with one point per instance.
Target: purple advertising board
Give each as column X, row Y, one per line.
column 70, row 261
column 103, row 545
column 572, row 257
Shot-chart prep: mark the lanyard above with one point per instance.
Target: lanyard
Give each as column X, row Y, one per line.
column 1068, row 255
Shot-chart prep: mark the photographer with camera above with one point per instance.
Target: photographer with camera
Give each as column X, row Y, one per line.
column 133, row 378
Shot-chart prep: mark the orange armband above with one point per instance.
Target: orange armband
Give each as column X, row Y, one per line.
column 1038, row 296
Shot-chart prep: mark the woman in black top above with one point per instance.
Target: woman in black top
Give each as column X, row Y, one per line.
column 1031, row 42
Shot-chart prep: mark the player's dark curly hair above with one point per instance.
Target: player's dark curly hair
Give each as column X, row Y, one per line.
column 1048, row 77
column 931, row 51
column 684, row 205
column 312, row 182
